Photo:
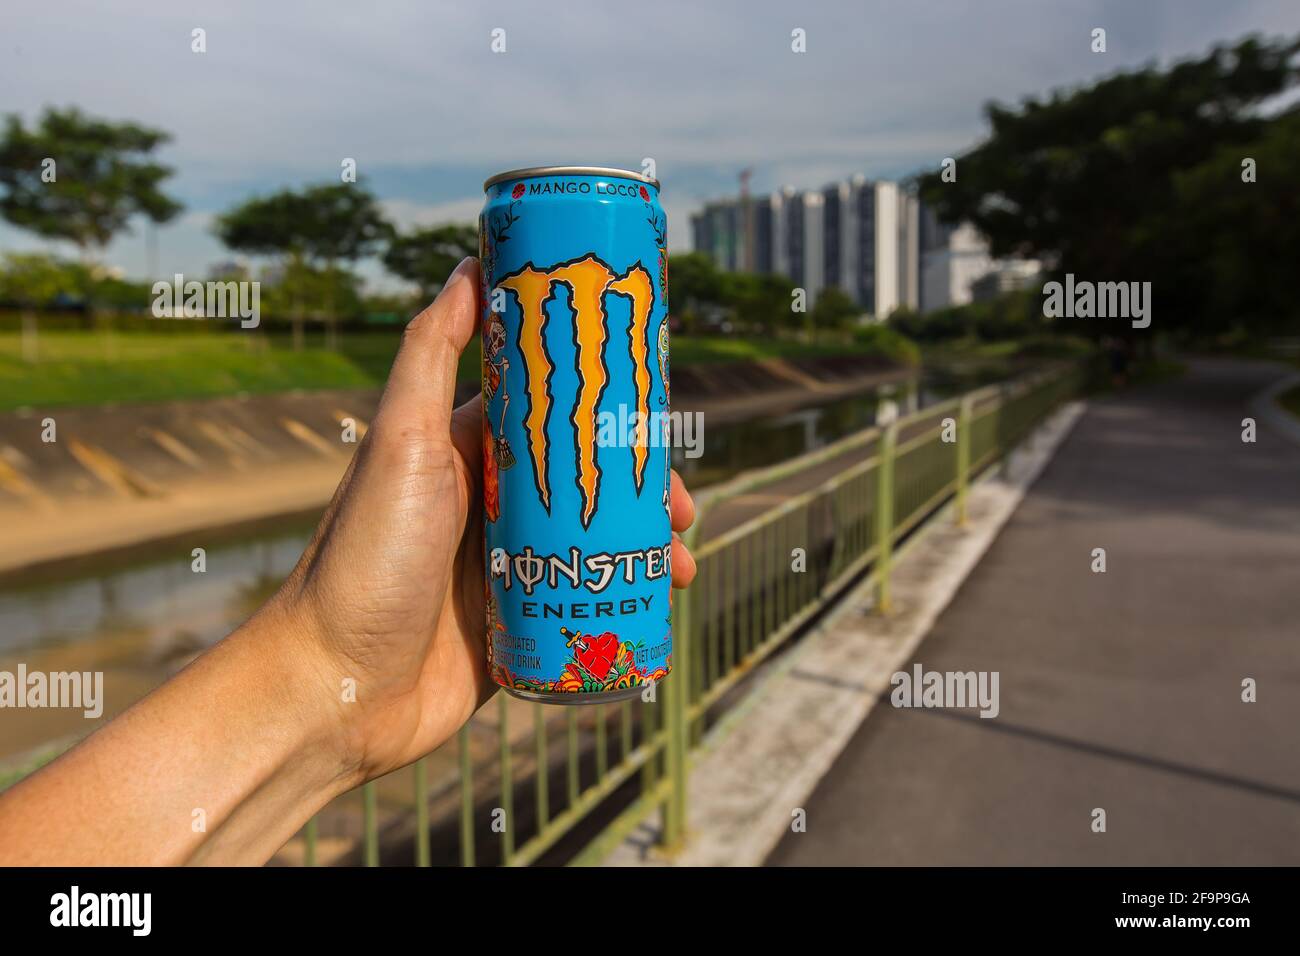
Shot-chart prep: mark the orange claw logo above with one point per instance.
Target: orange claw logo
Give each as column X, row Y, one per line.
column 589, row 281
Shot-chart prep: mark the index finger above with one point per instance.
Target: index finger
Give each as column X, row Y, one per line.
column 681, row 504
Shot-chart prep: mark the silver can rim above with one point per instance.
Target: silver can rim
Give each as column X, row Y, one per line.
column 533, row 172
column 577, row 700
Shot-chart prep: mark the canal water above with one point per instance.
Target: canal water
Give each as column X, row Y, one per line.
column 138, row 617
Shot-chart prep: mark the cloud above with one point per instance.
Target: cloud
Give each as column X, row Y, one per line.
column 413, row 92
column 407, row 215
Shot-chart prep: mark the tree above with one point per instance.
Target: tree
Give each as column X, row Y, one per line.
column 31, row 281
column 1237, row 235
column 318, row 226
column 834, row 310
column 100, row 176
column 697, row 287
column 265, row 226
column 272, row 225
column 760, row 301
column 75, row 178
column 1097, row 181
column 427, row 256
column 344, row 223
column 303, row 288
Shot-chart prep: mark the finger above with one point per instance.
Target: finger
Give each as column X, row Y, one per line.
column 422, row 383
column 681, row 504
column 683, row 564
column 467, row 436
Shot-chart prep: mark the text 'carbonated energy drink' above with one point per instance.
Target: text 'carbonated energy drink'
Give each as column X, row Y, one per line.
column 575, row 433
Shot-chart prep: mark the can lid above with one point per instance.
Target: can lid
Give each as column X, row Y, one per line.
column 532, row 172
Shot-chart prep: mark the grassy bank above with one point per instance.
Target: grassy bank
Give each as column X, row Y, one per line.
column 82, row 368
column 698, row 350
column 979, row 350
column 77, row 367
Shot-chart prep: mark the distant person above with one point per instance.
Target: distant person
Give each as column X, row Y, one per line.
column 227, row 760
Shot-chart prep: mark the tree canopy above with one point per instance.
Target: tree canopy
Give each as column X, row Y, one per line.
column 81, row 179
column 37, row 279
column 427, row 256
column 1141, row 177
column 325, row 223
column 834, row 309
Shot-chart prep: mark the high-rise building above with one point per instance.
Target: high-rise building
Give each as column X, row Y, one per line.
column 952, row 258
column 717, row 231
column 807, row 225
column 859, row 236
column 909, row 252
column 851, row 239
column 765, row 211
column 888, row 245
column 833, row 213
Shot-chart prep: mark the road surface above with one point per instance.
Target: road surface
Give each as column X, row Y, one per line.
column 1121, row 690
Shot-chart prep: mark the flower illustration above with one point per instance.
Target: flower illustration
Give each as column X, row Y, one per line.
column 571, row 681
column 645, row 194
column 491, row 488
column 518, row 191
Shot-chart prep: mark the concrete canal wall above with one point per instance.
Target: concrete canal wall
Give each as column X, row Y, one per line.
column 75, row 481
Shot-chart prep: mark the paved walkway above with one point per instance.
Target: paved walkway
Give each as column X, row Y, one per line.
column 1119, row 690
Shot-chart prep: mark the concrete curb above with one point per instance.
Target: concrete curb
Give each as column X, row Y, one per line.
column 761, row 763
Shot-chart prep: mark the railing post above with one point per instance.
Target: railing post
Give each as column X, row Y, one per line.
column 370, row 822
column 964, row 418
column 421, row 813
column 571, row 767
column 676, row 703
column 507, row 786
column 309, row 843
column 466, row 798
column 885, row 514
column 650, row 730
column 543, row 767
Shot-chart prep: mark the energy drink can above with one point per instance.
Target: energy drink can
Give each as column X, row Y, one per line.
column 576, row 433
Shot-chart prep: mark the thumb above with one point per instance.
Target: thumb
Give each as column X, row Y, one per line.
column 422, row 383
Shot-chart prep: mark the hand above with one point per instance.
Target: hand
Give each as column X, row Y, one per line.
column 389, row 593
column 386, row 603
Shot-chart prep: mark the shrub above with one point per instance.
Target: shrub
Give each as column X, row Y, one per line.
column 888, row 342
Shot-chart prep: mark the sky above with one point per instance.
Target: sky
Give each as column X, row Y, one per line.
column 413, row 92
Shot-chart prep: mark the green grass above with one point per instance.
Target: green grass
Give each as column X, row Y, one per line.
column 961, row 350
column 87, row 368
column 700, row 350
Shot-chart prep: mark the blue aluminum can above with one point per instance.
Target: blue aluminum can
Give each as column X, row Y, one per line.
column 575, row 433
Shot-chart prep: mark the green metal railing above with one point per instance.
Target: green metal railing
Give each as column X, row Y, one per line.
column 757, row 585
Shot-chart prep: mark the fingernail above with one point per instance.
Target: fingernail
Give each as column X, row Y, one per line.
column 459, row 274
